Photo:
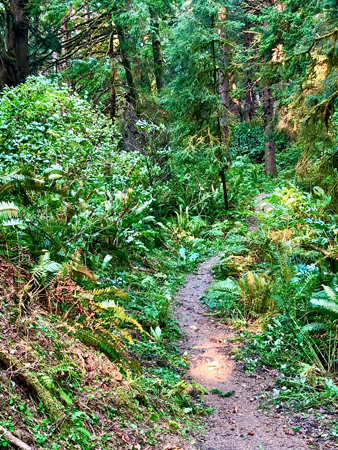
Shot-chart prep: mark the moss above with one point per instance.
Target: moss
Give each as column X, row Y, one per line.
column 122, row 399
column 52, row 405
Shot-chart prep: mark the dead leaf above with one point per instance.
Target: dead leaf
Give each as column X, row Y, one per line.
column 126, row 438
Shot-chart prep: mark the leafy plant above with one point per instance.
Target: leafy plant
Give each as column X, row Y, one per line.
column 256, row 292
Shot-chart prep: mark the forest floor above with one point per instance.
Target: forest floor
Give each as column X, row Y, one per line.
column 237, row 423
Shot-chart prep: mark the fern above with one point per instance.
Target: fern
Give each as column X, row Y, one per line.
column 99, row 342
column 65, row 397
column 117, row 292
column 46, row 271
column 81, row 271
column 228, row 285
column 326, row 307
column 46, row 381
column 67, row 367
column 13, row 223
column 8, row 210
column 256, row 292
column 314, row 327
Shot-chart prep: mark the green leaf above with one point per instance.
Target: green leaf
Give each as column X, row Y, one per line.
column 221, row 394
column 54, row 176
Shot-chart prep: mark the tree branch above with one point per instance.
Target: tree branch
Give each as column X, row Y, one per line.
column 14, row 440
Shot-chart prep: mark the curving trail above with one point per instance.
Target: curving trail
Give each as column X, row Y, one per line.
column 236, row 423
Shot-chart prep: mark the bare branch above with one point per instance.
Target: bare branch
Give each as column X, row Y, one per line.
column 14, row 440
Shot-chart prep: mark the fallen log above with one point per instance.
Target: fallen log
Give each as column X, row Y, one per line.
column 53, row 406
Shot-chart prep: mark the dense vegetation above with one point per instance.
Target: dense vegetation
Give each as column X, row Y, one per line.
column 134, row 137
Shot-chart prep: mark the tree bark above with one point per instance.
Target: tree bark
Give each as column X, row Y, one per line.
column 14, row 440
column 268, row 116
column 230, row 109
column 111, row 53
column 156, row 44
column 221, row 86
column 225, row 189
column 225, row 77
column 131, row 94
column 249, row 109
column 14, row 49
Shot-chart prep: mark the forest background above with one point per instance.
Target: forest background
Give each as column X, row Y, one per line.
column 134, row 136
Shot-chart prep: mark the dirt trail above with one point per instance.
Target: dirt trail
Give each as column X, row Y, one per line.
column 236, row 423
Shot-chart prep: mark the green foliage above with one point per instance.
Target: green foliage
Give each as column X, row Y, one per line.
column 222, row 394
column 108, row 235
column 256, row 292
column 223, row 297
column 248, row 140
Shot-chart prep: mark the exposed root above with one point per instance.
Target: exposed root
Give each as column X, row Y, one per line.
column 14, row 440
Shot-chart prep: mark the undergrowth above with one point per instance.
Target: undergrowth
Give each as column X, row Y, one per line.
column 281, row 280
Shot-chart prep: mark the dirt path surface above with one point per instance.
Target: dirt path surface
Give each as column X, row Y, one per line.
column 236, row 423
column 261, row 205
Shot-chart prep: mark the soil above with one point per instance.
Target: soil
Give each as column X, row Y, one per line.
column 237, row 423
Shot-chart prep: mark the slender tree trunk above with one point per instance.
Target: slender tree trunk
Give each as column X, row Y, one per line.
column 268, row 116
column 131, row 95
column 220, row 83
column 249, row 109
column 133, row 138
column 156, row 44
column 225, row 189
column 112, row 55
column 20, row 19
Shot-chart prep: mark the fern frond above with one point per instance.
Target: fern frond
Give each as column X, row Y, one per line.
column 118, row 292
column 46, row 270
column 46, row 381
column 83, row 272
column 108, row 304
column 8, row 210
column 123, row 316
column 228, row 285
column 65, row 397
column 330, row 293
column 314, row 327
column 100, row 343
column 67, row 367
column 6, row 187
column 327, row 307
column 13, row 223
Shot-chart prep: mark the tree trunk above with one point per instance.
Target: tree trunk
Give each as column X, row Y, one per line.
column 221, row 86
column 249, row 109
column 14, row 50
column 268, row 116
column 230, row 109
column 131, row 94
column 111, row 53
column 225, row 190
column 156, row 44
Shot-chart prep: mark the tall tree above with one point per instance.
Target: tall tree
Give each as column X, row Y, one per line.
column 269, row 113
column 269, row 144
column 14, row 45
column 157, row 51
